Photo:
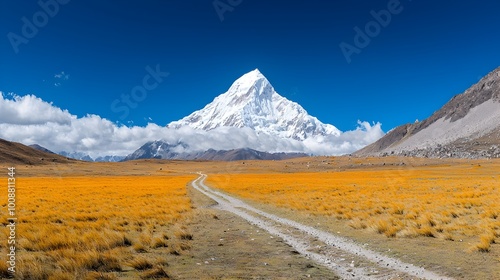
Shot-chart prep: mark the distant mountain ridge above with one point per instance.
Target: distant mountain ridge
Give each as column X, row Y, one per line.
column 468, row 126
column 87, row 157
column 245, row 154
column 162, row 150
column 40, row 148
column 159, row 150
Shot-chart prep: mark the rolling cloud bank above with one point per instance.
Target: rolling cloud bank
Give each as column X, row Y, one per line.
column 30, row 120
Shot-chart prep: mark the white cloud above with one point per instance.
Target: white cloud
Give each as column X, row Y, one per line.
column 346, row 142
column 30, row 109
column 59, row 78
column 30, row 120
column 62, row 76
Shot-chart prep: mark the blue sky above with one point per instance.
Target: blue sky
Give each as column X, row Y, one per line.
column 99, row 50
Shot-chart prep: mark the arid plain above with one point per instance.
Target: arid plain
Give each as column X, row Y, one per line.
column 144, row 219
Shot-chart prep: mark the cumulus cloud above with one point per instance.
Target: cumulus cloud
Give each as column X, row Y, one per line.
column 346, row 142
column 30, row 120
column 30, row 109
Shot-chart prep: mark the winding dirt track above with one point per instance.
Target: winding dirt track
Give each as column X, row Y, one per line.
column 347, row 259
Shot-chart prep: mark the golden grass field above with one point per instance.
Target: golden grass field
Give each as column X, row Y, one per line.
column 96, row 227
column 132, row 220
column 445, row 202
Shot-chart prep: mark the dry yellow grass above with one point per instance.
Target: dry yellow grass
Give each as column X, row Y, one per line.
column 75, row 226
column 440, row 202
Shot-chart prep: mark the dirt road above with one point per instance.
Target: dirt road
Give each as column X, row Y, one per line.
column 347, row 259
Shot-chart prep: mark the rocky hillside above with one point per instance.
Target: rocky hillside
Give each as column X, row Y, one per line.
column 12, row 153
column 468, row 126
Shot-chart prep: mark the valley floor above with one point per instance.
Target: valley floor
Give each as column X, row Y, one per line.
column 343, row 257
column 433, row 214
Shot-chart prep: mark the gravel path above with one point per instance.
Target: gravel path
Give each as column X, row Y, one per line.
column 347, row 259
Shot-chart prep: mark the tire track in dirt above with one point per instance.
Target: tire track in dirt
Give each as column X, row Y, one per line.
column 347, row 259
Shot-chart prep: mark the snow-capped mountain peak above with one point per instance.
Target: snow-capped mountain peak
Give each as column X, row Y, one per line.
column 252, row 102
column 251, row 79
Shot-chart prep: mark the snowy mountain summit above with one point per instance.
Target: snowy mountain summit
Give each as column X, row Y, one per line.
column 252, row 102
